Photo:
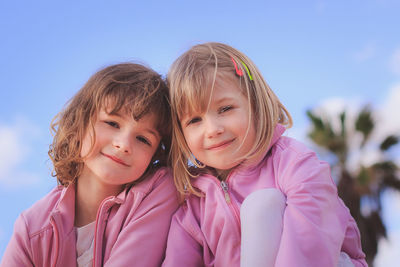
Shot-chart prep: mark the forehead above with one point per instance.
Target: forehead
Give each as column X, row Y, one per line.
column 197, row 97
column 125, row 112
column 127, row 106
column 226, row 85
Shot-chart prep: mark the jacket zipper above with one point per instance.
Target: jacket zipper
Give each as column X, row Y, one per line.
column 224, row 186
column 231, row 205
column 56, row 237
column 96, row 229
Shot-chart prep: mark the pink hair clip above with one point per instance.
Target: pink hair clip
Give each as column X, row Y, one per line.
column 239, row 72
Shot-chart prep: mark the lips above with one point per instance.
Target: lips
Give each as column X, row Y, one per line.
column 220, row 145
column 116, row 159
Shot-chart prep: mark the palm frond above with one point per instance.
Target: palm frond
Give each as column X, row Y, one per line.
column 366, row 184
column 389, row 141
column 364, row 123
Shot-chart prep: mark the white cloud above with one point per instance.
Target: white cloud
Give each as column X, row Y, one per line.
column 12, row 151
column 388, row 251
column 366, row 53
column 388, row 121
column 395, row 62
column 15, row 149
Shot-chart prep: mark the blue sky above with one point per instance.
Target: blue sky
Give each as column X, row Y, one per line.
column 319, row 53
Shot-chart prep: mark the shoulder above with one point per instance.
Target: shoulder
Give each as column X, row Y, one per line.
column 155, row 196
column 194, row 206
column 37, row 217
column 293, row 162
column 188, row 214
column 290, row 145
column 288, row 150
column 161, row 177
column 157, row 188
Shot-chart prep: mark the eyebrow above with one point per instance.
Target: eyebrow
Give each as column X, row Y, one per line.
column 149, row 130
column 153, row 132
column 218, row 101
column 224, row 98
column 185, row 119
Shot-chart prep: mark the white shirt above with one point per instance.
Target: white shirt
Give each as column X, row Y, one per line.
column 84, row 245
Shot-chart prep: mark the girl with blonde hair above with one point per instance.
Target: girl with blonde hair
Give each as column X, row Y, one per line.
column 252, row 197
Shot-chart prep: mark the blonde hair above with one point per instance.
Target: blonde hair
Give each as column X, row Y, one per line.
column 132, row 88
column 191, row 79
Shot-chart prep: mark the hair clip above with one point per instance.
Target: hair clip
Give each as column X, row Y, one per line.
column 239, row 72
column 247, row 69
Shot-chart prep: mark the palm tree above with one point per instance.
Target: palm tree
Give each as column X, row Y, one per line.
column 362, row 188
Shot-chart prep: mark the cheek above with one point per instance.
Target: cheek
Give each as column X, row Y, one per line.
column 147, row 152
column 245, row 123
column 151, row 154
column 143, row 160
column 190, row 138
column 251, row 136
column 86, row 145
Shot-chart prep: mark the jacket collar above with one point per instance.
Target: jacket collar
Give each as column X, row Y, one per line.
column 66, row 203
column 64, row 211
column 279, row 130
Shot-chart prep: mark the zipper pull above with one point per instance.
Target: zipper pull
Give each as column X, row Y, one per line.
column 224, row 186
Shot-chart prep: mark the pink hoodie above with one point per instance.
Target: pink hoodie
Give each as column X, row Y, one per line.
column 131, row 228
column 317, row 225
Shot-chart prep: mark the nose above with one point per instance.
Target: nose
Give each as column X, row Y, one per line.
column 213, row 127
column 123, row 143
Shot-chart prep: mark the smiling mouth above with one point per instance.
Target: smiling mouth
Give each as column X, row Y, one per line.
column 220, row 145
column 115, row 159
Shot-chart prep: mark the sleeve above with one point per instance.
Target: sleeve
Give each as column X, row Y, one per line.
column 352, row 243
column 312, row 232
column 143, row 240
column 182, row 248
column 18, row 251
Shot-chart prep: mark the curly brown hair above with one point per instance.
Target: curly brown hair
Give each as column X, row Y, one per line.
column 133, row 88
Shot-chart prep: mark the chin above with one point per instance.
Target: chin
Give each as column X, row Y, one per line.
column 225, row 166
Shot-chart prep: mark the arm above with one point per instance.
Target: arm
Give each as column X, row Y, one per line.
column 143, row 240
column 312, row 231
column 182, row 248
column 352, row 243
column 18, row 251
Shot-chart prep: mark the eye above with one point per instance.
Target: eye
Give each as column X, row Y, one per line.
column 144, row 140
column 193, row 120
column 112, row 124
column 225, row 109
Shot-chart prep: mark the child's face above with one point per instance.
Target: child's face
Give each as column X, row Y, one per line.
column 122, row 150
column 217, row 137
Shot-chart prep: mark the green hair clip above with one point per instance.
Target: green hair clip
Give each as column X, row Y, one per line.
column 247, row 69
column 239, row 71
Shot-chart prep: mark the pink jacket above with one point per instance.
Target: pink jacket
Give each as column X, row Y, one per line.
column 317, row 225
column 131, row 228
